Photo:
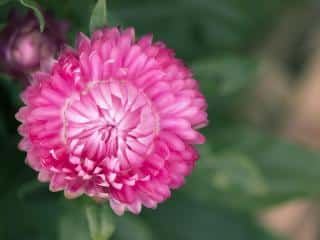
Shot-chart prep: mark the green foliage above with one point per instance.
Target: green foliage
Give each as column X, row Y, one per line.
column 184, row 219
column 32, row 220
column 241, row 170
column 133, row 228
column 261, row 171
column 74, row 219
column 99, row 15
column 37, row 11
column 3, row 2
column 235, row 172
column 224, row 76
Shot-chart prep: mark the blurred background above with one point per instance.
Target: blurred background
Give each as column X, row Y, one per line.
column 258, row 63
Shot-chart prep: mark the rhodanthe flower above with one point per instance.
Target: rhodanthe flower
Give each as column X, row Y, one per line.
column 23, row 47
column 115, row 119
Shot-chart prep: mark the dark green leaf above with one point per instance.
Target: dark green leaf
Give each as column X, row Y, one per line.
column 102, row 223
column 132, row 228
column 73, row 224
column 3, row 2
column 12, row 89
column 236, row 172
column 29, row 188
column 30, row 220
column 183, row 219
column 280, row 170
column 224, row 76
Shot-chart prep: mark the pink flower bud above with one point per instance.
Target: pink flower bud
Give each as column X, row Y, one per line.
column 24, row 49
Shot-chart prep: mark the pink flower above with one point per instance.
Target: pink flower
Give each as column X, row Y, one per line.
column 115, row 119
column 24, row 49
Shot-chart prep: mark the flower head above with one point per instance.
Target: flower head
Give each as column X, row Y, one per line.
column 115, row 119
column 24, row 49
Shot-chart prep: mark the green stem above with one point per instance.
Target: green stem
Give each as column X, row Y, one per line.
column 100, row 221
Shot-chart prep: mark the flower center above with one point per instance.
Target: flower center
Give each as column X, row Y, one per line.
column 112, row 122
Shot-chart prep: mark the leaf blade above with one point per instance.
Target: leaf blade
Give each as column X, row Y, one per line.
column 98, row 17
column 281, row 171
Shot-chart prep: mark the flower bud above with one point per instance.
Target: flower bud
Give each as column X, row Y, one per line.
column 24, row 49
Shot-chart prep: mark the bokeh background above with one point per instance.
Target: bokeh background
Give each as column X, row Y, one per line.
column 258, row 63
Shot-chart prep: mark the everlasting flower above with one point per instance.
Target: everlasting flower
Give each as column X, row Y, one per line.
column 115, row 119
column 24, row 49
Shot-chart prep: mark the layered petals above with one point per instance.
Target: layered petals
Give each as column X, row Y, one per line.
column 115, row 119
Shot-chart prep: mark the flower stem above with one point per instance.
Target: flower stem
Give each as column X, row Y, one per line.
column 100, row 222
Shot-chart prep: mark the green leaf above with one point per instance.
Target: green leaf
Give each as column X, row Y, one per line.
column 11, row 171
column 36, row 220
column 181, row 218
column 132, row 228
column 29, row 188
column 291, row 169
column 248, row 169
column 37, row 11
column 3, row 2
column 224, row 76
column 235, row 172
column 86, row 219
column 12, row 89
column 99, row 15
column 73, row 224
